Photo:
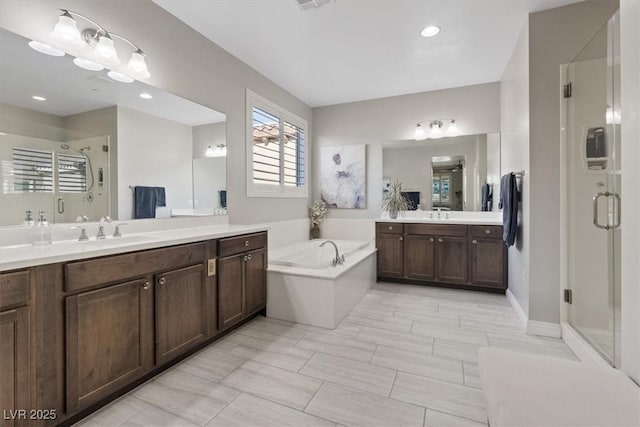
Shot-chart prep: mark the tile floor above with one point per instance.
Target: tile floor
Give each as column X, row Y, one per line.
column 405, row 356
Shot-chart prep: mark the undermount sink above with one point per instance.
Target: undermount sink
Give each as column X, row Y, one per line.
column 112, row 241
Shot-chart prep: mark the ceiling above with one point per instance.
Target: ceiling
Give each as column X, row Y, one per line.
column 351, row 50
column 71, row 90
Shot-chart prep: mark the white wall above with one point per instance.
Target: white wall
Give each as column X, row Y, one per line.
column 185, row 63
column 205, row 135
column 514, row 112
column 209, row 177
column 630, row 73
column 475, row 108
column 153, row 152
column 493, row 166
column 556, row 36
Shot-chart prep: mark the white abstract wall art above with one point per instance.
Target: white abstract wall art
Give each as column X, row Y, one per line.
column 343, row 176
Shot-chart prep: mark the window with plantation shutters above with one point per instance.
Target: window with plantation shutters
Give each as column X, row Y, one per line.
column 30, row 171
column 276, row 161
column 72, row 173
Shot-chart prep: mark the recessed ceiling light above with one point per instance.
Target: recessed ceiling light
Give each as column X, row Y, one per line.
column 145, row 95
column 430, row 31
column 39, row 98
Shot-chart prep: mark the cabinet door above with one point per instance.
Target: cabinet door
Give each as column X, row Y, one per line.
column 419, row 258
column 451, row 255
column 109, row 340
column 180, row 311
column 487, row 262
column 256, row 280
column 390, row 255
column 14, row 364
column 231, row 307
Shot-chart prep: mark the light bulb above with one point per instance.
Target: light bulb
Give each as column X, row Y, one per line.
column 430, row 31
column 105, row 50
column 435, row 130
column 138, row 66
column 453, row 126
column 45, row 48
column 87, row 64
column 209, row 152
column 119, row 77
column 420, row 134
column 66, row 31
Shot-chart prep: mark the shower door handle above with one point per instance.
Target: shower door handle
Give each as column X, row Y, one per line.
column 595, row 210
column 60, row 205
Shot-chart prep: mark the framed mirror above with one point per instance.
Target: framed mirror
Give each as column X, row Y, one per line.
column 459, row 173
column 76, row 144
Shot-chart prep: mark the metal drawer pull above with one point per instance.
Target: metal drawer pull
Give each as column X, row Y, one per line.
column 487, row 231
column 162, row 281
column 146, row 285
column 475, row 242
column 390, row 227
column 401, row 238
column 249, row 256
column 246, row 243
column 431, row 239
column 440, row 240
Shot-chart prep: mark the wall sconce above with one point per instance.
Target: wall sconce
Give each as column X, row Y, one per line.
column 435, row 129
column 219, row 150
column 94, row 48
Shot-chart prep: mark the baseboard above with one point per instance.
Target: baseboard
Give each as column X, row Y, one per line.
column 522, row 316
column 533, row 327
column 544, row 329
column 580, row 347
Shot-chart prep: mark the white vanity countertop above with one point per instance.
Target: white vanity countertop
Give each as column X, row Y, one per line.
column 481, row 220
column 21, row 256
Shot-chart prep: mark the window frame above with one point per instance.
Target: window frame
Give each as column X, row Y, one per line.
column 281, row 190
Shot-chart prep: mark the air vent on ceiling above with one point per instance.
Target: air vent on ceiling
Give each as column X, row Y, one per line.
column 312, row 4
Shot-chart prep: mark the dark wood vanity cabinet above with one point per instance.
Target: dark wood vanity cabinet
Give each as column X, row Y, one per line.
column 109, row 336
column 180, row 311
column 465, row 256
column 241, row 278
column 103, row 325
column 15, row 350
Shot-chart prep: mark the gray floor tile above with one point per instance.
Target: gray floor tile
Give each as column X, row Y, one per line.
column 211, row 363
column 427, row 365
column 274, row 354
column 114, row 414
column 153, row 416
column 247, row 411
column 356, row 408
column 471, row 374
column 402, row 340
column 456, row 350
column 276, row 384
column 440, row 419
column 469, row 336
column 337, row 345
column 440, row 395
column 350, row 373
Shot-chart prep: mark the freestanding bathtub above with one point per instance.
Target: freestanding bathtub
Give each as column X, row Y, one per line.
column 303, row 287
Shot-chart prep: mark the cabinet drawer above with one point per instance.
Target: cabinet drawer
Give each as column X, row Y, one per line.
column 389, row 228
column 14, row 289
column 85, row 274
column 236, row 245
column 438, row 229
column 486, row 231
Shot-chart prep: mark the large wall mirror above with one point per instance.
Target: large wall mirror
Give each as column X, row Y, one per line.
column 456, row 173
column 75, row 143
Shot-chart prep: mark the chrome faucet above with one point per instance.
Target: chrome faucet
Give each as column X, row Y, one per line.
column 339, row 259
column 439, row 212
column 83, row 233
column 101, row 234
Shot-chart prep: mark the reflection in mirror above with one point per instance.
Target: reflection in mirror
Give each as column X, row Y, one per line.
column 448, row 173
column 75, row 143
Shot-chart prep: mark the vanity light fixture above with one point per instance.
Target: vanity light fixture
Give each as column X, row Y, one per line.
column 430, row 31
column 435, row 129
column 97, row 46
column 220, row 150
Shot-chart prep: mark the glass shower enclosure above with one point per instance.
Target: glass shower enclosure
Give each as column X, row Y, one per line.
column 592, row 189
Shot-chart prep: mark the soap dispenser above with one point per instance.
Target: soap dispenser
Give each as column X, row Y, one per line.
column 28, row 218
column 42, row 231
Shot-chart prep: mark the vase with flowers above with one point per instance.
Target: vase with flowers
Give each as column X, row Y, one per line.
column 317, row 213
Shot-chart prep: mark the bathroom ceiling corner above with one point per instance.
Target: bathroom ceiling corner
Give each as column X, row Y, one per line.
column 355, row 50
